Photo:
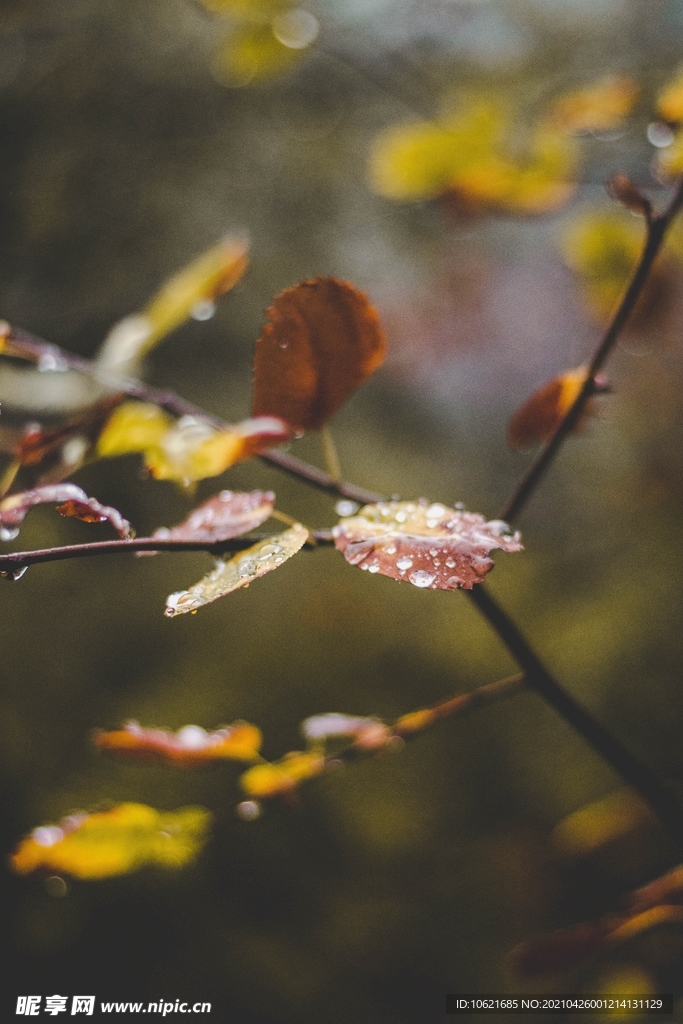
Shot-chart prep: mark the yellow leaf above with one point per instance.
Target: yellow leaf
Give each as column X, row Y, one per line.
column 603, row 248
column 240, row 571
column 205, row 279
column 114, row 842
column 133, row 427
column 189, row 747
column 253, row 54
column 597, row 107
column 670, row 100
column 601, row 822
column 264, row 780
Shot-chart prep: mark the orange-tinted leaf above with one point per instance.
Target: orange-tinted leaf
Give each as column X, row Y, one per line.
column 629, row 195
column 537, row 419
column 189, row 747
column 643, row 922
column 602, row 822
column 114, row 842
column 75, row 503
column 265, row 780
column 240, row 571
column 323, row 339
column 429, row 545
column 666, row 889
column 225, row 515
column 562, row 950
column 596, row 107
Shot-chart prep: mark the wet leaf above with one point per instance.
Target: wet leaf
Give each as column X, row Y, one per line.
column 538, row 418
column 73, row 502
column 367, row 733
column 125, row 838
column 602, row 822
column 323, row 339
column 670, row 100
column 190, row 448
column 225, row 515
column 204, row 280
column 240, row 571
column 189, row 747
column 427, row 544
column 266, row 780
column 470, row 160
column 597, row 107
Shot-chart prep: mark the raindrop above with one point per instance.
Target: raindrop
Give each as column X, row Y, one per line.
column 248, row 810
column 283, row 343
column 203, row 310
column 659, row 134
column 8, row 533
column 436, row 511
column 56, row 886
column 73, row 450
column 450, row 563
column 296, row 29
column 401, row 517
column 192, row 737
column 391, row 550
column 420, row 578
column 246, row 567
column 181, row 601
column 460, row 506
column 47, row 835
column 373, row 568
column 346, row 508
column 268, row 550
column 16, row 574
column 404, row 563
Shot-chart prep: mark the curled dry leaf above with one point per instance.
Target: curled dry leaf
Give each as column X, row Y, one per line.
column 266, row 780
column 597, row 107
column 225, row 515
column 240, row 571
column 323, row 339
column 114, row 842
column 211, row 275
column 538, row 418
column 74, row 502
column 427, row 544
column 189, row 747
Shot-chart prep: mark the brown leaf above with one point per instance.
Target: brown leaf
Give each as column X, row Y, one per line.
column 323, row 339
column 538, row 418
column 629, row 195
column 74, row 502
column 668, row 888
column 225, row 515
column 428, row 545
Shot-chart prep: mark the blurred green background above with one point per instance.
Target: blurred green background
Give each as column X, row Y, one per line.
column 402, row 878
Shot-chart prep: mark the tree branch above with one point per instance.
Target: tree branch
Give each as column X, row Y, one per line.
column 656, row 232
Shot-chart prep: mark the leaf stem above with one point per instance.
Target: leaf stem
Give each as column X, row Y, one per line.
column 539, row 679
column 656, row 232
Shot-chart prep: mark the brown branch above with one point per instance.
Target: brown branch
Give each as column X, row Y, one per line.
column 656, row 232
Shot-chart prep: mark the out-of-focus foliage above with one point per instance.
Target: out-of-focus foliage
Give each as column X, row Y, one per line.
column 601, row 822
column 423, row 543
column 323, row 339
column 194, row 289
column 71, row 501
column 603, row 248
column 188, row 747
column 537, row 419
column 597, row 107
column 267, row 38
column 280, row 777
column 670, row 100
column 240, row 571
column 114, row 842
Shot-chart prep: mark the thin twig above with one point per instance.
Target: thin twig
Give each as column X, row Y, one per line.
column 540, row 680
column 656, row 231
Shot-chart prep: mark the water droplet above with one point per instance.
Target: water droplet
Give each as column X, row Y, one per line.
column 268, row 550
column 246, row 567
column 249, row 810
column 8, row 533
column 181, row 601
column 192, row 737
column 373, row 568
column 16, row 574
column 452, row 583
column 437, row 563
column 391, row 550
column 436, row 511
column 433, row 552
column 56, row 887
column 659, row 134
column 346, row 508
column 203, row 310
column 459, row 505
column 401, row 516
column 450, row 562
column 283, row 343
column 47, row 835
column 420, row 578
column 73, row 450
column 404, row 563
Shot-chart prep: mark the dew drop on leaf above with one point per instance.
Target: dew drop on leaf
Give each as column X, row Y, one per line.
column 404, row 563
column 420, row 578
